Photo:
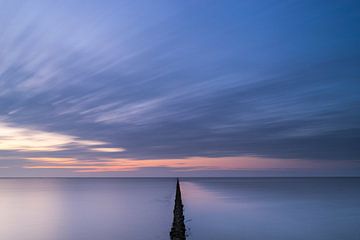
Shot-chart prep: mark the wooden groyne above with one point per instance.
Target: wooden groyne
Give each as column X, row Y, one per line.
column 178, row 227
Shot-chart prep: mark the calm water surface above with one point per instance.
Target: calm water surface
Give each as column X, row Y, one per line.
column 137, row 209
column 272, row 208
column 85, row 209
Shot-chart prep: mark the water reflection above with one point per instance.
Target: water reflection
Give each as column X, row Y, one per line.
column 215, row 208
column 266, row 208
column 37, row 214
column 85, row 209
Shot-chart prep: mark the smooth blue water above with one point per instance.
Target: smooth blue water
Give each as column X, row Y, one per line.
column 272, row 208
column 215, row 208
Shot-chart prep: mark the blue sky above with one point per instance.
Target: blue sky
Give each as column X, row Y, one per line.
column 163, row 88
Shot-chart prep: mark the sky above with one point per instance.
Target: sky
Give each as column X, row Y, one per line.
column 179, row 88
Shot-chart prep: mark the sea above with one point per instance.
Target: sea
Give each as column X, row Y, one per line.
column 214, row 208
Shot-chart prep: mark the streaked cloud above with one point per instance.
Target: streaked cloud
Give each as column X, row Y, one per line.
column 108, row 149
column 187, row 164
column 119, row 85
column 22, row 139
column 53, row 160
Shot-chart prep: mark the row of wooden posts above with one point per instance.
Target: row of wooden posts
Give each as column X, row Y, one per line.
column 178, row 230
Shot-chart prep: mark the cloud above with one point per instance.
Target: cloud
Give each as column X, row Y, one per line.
column 53, row 160
column 29, row 140
column 189, row 164
column 147, row 82
column 108, row 149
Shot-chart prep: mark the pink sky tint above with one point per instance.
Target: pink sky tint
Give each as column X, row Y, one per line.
column 188, row 164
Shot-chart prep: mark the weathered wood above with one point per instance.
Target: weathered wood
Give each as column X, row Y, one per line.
column 178, row 228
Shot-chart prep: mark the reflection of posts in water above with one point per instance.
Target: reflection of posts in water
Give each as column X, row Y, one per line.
column 178, row 227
